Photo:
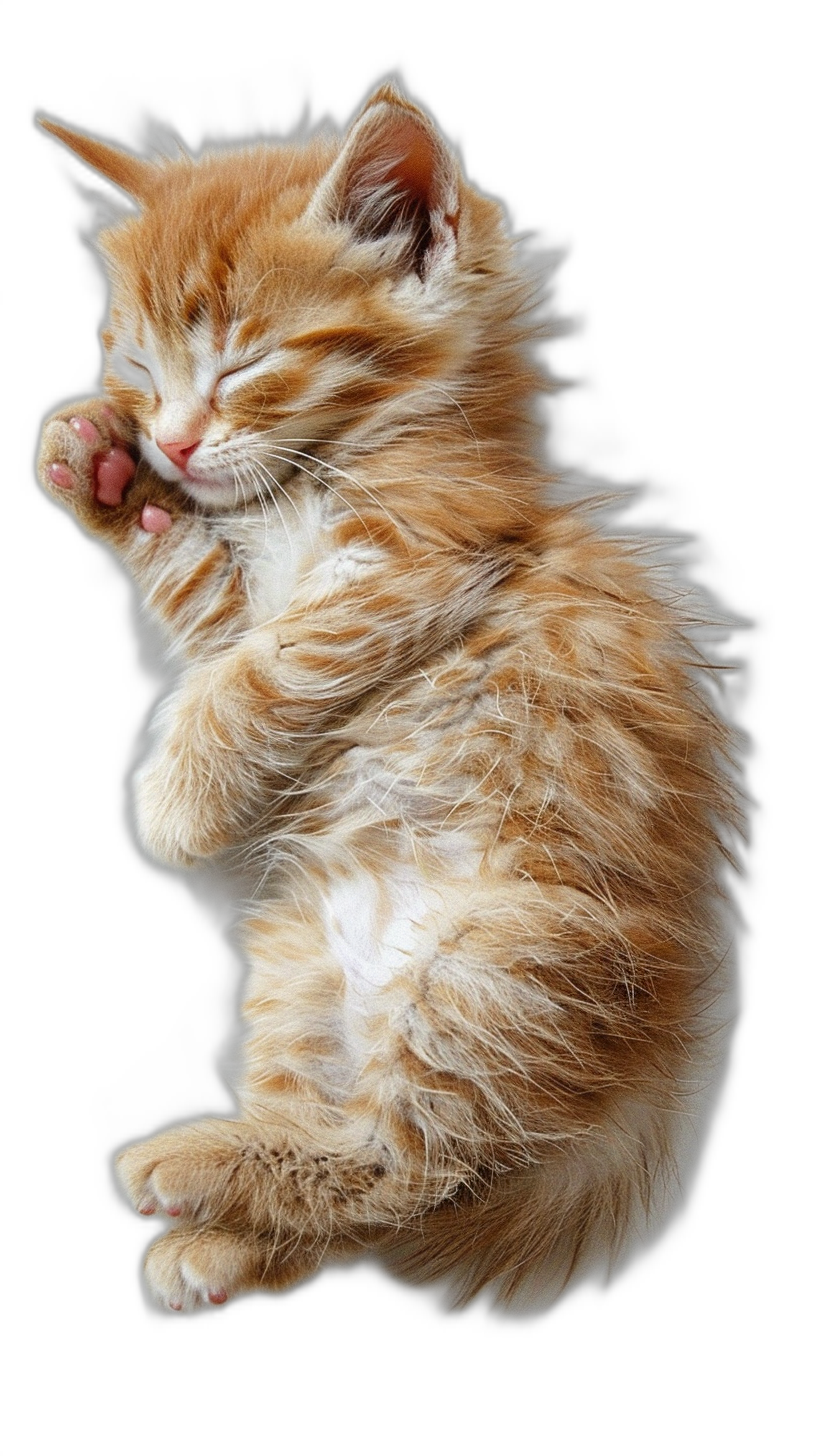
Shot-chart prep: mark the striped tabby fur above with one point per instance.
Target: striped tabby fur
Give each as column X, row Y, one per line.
column 462, row 733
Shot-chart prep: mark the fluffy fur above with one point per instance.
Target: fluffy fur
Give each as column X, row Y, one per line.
column 462, row 734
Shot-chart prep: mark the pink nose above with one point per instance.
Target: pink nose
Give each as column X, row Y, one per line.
column 179, row 451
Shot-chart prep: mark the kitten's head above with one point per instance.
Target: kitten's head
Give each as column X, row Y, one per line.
column 270, row 302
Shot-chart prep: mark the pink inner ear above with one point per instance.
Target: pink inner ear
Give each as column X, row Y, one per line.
column 416, row 160
column 395, row 177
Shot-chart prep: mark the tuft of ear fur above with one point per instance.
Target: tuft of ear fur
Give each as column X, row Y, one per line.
column 133, row 174
column 395, row 178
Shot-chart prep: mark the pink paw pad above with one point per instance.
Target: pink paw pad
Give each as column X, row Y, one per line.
column 174, row 1211
column 114, row 472
column 62, row 476
column 218, row 1296
column 86, row 430
column 147, row 1209
column 155, row 520
column 173, row 1304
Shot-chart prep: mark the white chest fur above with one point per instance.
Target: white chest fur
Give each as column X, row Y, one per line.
column 289, row 552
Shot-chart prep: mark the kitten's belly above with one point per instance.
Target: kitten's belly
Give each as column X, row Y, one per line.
column 374, row 926
column 406, row 837
column 380, row 924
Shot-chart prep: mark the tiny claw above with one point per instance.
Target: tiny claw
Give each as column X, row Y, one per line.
column 218, row 1296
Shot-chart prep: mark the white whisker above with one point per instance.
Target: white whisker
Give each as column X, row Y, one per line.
column 344, row 475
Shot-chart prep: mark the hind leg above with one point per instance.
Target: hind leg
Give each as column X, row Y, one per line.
column 255, row 1197
column 257, row 1204
column 322, row 1156
column 365, row 1109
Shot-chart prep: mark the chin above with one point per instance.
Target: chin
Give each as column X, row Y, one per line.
column 216, row 494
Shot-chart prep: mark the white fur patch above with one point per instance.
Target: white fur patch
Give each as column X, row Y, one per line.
column 377, row 924
column 280, row 548
column 374, row 926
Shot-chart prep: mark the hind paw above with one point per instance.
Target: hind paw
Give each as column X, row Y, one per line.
column 188, row 1172
column 191, row 1267
column 188, row 1268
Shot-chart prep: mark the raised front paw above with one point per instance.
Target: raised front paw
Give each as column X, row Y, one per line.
column 87, row 462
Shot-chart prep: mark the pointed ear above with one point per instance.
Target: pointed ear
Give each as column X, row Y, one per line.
column 395, row 179
column 132, row 174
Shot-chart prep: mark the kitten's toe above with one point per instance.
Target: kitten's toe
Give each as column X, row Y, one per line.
column 108, row 468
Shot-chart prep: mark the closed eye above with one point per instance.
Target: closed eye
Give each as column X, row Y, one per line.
column 242, row 368
column 134, row 372
column 240, row 374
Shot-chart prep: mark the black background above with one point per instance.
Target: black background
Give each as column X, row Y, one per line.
column 631, row 162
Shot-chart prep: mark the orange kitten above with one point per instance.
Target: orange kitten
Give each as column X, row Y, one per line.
column 462, row 733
